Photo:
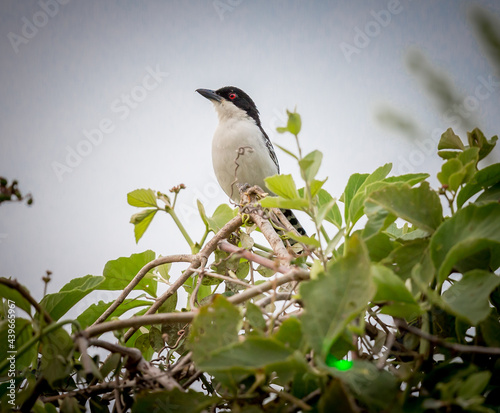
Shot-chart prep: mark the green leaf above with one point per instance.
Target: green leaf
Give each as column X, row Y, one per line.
column 142, row 198
column 203, row 214
column 265, row 271
column 483, row 179
column 290, row 333
column 474, row 385
column 459, row 170
column 378, row 219
column 254, row 317
column 282, row 185
column 304, row 239
column 142, row 344
column 367, row 187
column 392, row 290
column 448, row 154
column 468, row 298
column 403, row 258
column 353, row 184
column 379, row 246
column 490, row 329
column 449, row 168
column 470, row 230
column 23, row 333
column 310, row 164
column 337, row 398
column 449, row 140
column 156, row 339
column 375, row 388
column 328, row 208
column 490, row 194
column 410, row 179
column 294, row 123
column 420, row 206
column 336, row 297
column 173, row 401
column 163, row 270
column 58, row 304
column 284, row 203
column 215, row 326
column 315, row 187
column 15, row 297
column 476, row 138
column 118, row 273
column 253, row 353
column 141, row 222
column 257, row 356
column 222, row 215
column 57, row 348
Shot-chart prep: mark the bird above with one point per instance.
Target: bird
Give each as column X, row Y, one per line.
column 242, row 153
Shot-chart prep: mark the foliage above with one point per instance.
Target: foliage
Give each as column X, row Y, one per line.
column 390, row 305
column 10, row 193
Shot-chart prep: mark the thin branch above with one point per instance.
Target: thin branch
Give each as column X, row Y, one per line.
column 91, row 390
column 193, row 299
column 275, row 297
column 14, row 284
column 249, row 198
column 388, row 343
column 149, row 371
column 138, row 321
column 250, row 256
column 228, row 279
column 459, row 348
column 294, row 274
column 288, row 397
column 199, row 260
column 140, row 275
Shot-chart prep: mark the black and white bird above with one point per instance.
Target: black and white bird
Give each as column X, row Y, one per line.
column 241, row 150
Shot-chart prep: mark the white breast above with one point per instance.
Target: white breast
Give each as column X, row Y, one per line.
column 239, row 154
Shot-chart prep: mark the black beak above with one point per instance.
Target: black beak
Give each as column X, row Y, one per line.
column 209, row 94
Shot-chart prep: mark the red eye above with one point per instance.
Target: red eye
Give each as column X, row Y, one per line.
column 232, row 96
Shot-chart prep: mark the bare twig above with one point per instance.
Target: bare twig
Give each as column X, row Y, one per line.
column 193, row 299
column 388, row 343
column 249, row 199
column 91, row 390
column 136, row 322
column 199, row 261
column 275, row 297
column 14, row 284
column 288, row 397
column 250, row 256
column 295, row 274
column 459, row 348
column 228, row 279
column 149, row 371
column 140, row 275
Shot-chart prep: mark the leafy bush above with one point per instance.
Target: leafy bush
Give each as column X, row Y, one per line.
column 392, row 305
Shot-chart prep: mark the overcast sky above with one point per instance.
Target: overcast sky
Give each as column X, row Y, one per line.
column 98, row 99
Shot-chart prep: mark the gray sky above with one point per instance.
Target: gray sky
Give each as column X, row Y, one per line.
column 130, row 69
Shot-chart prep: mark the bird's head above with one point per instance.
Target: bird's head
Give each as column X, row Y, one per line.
column 231, row 102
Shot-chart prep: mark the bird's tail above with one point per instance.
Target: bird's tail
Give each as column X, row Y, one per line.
column 292, row 219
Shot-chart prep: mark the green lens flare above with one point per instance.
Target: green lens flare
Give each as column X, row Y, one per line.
column 341, row 365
